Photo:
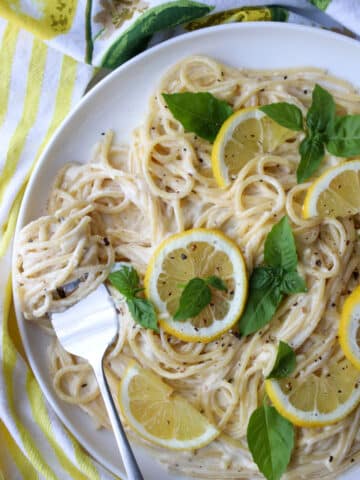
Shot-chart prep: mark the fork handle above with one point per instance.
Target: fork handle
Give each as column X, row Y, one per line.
column 127, row 455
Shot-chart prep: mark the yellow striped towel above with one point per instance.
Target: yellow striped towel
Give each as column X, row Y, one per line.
column 38, row 87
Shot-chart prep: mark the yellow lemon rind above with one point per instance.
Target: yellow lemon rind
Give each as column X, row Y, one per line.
column 274, row 393
column 198, row 442
column 345, row 334
column 319, row 185
column 218, row 168
column 203, row 335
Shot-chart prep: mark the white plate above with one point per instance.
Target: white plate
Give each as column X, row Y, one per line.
column 120, row 103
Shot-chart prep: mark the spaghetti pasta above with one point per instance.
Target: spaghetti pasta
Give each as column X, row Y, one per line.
column 128, row 198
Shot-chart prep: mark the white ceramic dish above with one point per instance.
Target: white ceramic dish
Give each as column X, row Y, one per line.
column 119, row 103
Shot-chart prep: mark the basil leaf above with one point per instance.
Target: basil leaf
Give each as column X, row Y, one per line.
column 260, row 307
column 280, row 249
column 321, row 114
column 312, row 151
column 263, row 277
column 285, row 362
column 126, row 280
column 271, row 440
column 216, row 282
column 143, row 312
column 201, row 112
column 292, row 283
column 195, row 296
column 344, row 141
column 285, row 114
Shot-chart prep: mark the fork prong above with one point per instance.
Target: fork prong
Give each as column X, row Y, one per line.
column 88, row 326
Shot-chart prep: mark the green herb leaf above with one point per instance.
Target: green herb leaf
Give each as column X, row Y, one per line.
column 271, row 440
column 216, row 282
column 292, row 283
column 285, row 114
column 143, row 312
column 261, row 304
column 312, row 151
column 201, row 112
column 285, row 362
column 321, row 114
column 344, row 140
column 280, row 249
column 195, row 296
column 263, row 277
column 126, row 280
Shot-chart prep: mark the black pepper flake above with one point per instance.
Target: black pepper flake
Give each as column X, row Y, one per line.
column 183, row 256
column 331, row 458
column 352, row 460
column 318, row 263
column 61, row 292
column 84, row 385
column 285, row 77
column 102, row 133
column 106, row 241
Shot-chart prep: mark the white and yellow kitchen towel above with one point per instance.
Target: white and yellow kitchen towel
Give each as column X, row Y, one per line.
column 48, row 53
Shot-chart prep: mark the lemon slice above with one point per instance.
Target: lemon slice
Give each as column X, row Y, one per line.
column 197, row 253
column 349, row 328
column 336, row 193
column 245, row 134
column 159, row 415
column 319, row 399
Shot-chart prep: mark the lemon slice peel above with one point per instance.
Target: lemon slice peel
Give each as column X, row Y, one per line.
column 159, row 415
column 218, row 242
column 349, row 326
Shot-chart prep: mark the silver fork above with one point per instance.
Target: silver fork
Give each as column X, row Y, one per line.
column 87, row 329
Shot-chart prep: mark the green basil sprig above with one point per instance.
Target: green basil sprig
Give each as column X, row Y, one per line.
column 285, row 362
column 269, row 283
column 285, row 114
column 127, row 282
column 196, row 296
column 323, row 128
column 199, row 112
column 270, row 439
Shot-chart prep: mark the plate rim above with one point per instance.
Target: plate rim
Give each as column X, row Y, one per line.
column 87, row 97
